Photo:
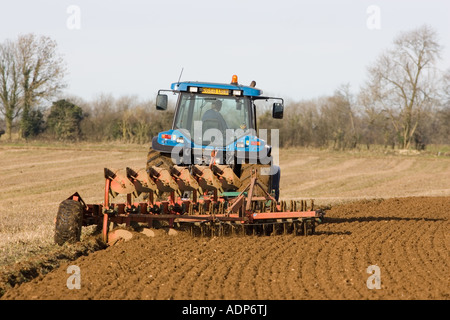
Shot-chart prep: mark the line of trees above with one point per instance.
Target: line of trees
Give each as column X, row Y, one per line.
column 125, row 119
column 340, row 122
column 31, row 73
column 404, row 103
column 105, row 118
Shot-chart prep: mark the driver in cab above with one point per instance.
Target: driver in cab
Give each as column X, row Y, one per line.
column 215, row 115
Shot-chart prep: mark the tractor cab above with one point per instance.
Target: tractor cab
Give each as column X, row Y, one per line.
column 219, row 117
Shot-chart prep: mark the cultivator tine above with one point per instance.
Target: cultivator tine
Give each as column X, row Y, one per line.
column 164, row 180
column 120, row 184
column 226, row 176
column 207, row 179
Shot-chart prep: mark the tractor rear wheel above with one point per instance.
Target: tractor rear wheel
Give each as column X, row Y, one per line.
column 157, row 159
column 246, row 175
column 69, row 221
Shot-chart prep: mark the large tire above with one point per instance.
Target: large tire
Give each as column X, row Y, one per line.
column 161, row 160
column 246, row 174
column 157, row 159
column 69, row 221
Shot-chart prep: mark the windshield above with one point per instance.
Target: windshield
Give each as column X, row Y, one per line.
column 222, row 114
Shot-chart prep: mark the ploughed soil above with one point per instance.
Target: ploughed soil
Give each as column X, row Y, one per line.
column 408, row 239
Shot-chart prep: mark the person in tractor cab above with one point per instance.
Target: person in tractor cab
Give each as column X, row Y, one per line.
column 214, row 117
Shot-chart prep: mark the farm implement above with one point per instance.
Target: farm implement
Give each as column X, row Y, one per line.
column 201, row 214
column 210, row 174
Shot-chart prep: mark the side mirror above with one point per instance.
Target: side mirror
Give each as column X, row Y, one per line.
column 277, row 111
column 161, row 102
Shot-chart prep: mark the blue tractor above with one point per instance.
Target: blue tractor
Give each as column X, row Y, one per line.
column 210, row 173
column 217, row 123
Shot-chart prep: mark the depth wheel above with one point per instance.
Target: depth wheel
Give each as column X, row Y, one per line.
column 69, row 221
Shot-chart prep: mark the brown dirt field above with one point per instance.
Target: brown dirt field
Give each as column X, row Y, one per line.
column 407, row 238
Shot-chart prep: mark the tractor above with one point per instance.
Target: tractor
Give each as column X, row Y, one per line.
column 210, row 174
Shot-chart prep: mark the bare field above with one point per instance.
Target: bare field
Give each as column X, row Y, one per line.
column 339, row 177
column 406, row 237
column 35, row 180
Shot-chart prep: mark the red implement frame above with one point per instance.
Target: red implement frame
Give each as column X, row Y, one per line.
column 176, row 209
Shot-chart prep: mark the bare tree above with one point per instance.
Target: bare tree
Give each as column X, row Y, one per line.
column 442, row 123
column 99, row 118
column 10, row 89
column 402, row 81
column 42, row 72
column 345, row 104
column 125, row 107
column 446, row 88
column 31, row 71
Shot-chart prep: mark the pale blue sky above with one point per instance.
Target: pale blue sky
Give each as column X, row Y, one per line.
column 294, row 49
